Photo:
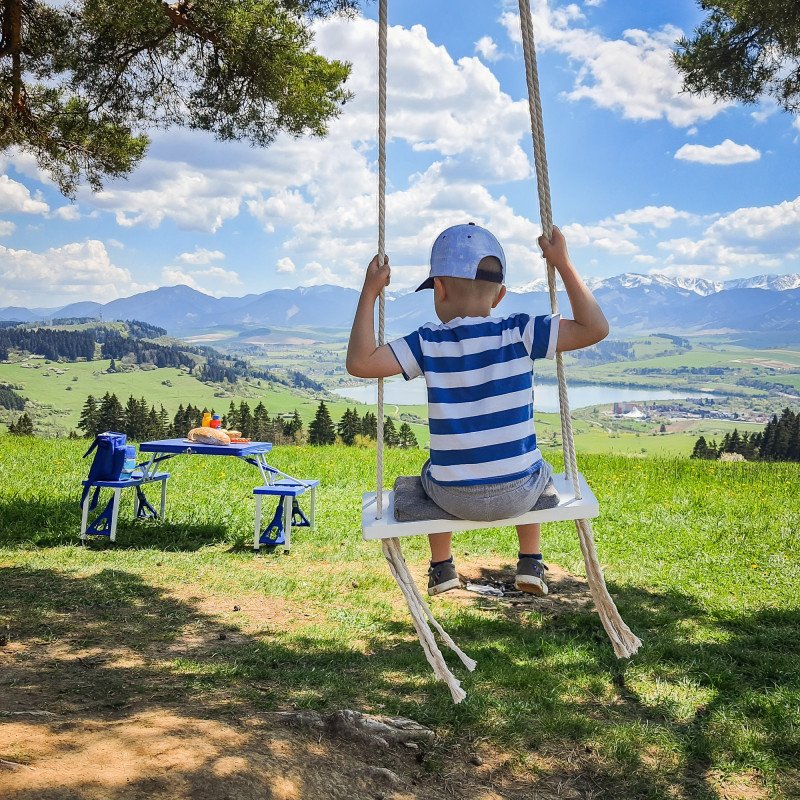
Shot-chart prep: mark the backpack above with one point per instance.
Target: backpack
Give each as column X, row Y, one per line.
column 109, row 459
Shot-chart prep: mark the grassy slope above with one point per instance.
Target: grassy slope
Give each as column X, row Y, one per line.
column 701, row 558
column 60, row 398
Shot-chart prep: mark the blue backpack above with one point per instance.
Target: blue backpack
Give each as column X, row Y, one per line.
column 109, row 459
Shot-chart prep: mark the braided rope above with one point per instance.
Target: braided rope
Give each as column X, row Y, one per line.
column 382, row 53
column 421, row 615
column 624, row 642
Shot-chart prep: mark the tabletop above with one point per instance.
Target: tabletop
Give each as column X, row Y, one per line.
column 198, row 448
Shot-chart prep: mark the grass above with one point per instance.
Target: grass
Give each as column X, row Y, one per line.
column 58, row 398
column 701, row 558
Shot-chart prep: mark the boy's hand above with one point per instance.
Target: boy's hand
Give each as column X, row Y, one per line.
column 554, row 249
column 377, row 277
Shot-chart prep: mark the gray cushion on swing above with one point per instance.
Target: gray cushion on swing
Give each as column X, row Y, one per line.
column 412, row 504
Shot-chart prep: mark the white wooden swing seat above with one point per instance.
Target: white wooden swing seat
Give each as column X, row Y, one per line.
column 569, row 507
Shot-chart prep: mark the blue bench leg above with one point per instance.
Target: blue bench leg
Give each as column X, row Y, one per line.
column 163, row 499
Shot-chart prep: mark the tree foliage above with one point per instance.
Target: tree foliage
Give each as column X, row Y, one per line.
column 779, row 441
column 744, row 49
column 81, row 82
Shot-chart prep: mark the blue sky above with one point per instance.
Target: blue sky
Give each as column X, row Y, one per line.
column 644, row 178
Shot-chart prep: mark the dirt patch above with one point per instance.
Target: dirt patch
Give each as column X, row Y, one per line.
column 567, row 594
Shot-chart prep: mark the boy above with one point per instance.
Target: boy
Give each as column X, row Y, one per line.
column 484, row 463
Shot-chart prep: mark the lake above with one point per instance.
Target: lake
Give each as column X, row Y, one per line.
column 414, row 393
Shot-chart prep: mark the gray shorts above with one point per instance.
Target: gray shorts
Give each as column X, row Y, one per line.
column 486, row 502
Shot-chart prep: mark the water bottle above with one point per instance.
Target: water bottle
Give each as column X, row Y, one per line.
column 130, row 463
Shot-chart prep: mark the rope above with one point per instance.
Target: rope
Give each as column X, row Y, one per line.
column 421, row 615
column 382, row 51
column 624, row 642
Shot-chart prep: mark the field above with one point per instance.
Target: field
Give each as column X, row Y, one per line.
column 59, row 390
column 162, row 660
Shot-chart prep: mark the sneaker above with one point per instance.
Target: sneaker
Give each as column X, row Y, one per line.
column 530, row 576
column 442, row 578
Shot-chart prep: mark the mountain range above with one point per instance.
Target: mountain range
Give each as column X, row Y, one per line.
column 633, row 304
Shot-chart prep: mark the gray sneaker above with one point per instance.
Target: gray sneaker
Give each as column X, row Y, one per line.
column 442, row 578
column 530, row 576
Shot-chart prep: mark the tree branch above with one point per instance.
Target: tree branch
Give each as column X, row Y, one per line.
column 179, row 14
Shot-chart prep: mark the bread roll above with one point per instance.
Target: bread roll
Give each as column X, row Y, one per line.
column 208, row 436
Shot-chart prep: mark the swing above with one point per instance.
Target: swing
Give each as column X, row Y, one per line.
column 576, row 500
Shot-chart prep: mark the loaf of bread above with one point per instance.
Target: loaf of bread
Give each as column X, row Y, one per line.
column 208, row 436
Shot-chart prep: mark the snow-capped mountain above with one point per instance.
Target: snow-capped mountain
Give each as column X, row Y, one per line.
column 633, row 304
column 701, row 286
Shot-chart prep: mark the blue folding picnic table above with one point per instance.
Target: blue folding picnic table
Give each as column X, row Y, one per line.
column 255, row 453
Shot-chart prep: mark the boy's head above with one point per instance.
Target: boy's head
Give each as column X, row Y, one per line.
column 468, row 268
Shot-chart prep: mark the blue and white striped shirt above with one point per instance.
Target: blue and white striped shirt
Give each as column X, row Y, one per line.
column 480, row 393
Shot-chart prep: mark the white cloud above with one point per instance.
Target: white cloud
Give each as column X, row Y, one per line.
column 6, row 227
column 215, row 281
column 285, row 265
column 75, row 271
column 200, row 255
column 17, row 198
column 318, row 275
column 742, row 242
column 439, row 106
column 486, row 48
column 593, row 3
column 657, row 216
column 632, row 75
column 68, row 212
column 764, row 112
column 727, row 152
column 693, row 131
column 796, row 123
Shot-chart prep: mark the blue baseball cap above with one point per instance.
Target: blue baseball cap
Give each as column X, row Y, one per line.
column 457, row 252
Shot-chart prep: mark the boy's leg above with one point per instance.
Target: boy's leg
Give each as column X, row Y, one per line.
column 530, row 569
column 442, row 575
column 440, row 546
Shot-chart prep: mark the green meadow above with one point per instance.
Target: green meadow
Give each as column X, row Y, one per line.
column 701, row 557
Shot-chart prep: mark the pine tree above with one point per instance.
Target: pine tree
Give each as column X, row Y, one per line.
column 700, row 448
column 406, row 437
column 163, row 422
column 261, row 424
column 23, row 425
column 110, row 414
column 768, row 439
column 135, row 422
column 390, row 436
column 321, row 430
column 293, row 429
column 245, row 420
column 84, row 81
column 783, row 435
column 369, row 425
column 349, row 427
column 88, row 422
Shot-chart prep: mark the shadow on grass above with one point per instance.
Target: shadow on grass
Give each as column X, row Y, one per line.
column 110, row 646
column 53, row 523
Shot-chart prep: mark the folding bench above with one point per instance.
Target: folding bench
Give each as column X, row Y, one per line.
column 105, row 523
column 288, row 514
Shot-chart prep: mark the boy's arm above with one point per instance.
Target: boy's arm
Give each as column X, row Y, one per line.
column 588, row 324
column 364, row 360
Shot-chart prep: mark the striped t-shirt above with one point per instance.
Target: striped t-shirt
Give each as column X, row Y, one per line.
column 480, row 393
